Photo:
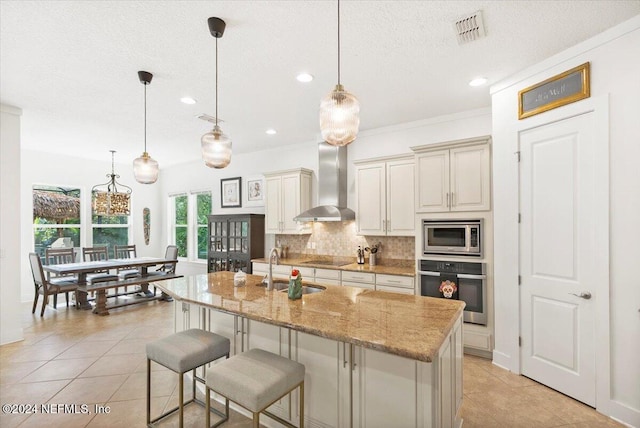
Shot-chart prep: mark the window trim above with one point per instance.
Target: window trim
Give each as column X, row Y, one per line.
column 192, row 223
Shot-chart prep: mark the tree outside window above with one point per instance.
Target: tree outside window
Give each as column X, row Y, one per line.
column 203, row 203
column 190, row 224
column 110, row 231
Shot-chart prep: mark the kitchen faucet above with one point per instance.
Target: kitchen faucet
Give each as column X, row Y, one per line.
column 272, row 254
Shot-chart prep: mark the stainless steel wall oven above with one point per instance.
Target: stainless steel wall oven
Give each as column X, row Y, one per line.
column 466, row 281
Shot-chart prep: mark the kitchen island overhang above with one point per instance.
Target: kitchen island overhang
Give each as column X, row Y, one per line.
column 425, row 332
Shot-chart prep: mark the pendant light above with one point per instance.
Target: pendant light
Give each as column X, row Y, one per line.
column 339, row 111
column 109, row 200
column 216, row 146
column 145, row 169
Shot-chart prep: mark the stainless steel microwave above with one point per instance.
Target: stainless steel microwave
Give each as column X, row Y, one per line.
column 452, row 237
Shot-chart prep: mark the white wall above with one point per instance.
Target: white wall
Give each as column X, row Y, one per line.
column 47, row 168
column 10, row 220
column 615, row 75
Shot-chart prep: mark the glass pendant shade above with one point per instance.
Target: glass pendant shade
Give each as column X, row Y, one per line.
column 339, row 117
column 216, row 148
column 145, row 169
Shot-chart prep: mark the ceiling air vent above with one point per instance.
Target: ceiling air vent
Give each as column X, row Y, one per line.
column 208, row 118
column 469, row 28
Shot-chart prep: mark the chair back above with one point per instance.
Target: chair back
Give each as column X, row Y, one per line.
column 59, row 256
column 171, row 254
column 36, row 269
column 94, row 254
column 125, row 251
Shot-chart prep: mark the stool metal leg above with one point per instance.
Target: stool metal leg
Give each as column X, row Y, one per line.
column 148, row 391
column 181, row 398
column 302, row 404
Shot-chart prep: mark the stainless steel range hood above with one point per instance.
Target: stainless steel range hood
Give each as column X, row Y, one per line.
column 332, row 187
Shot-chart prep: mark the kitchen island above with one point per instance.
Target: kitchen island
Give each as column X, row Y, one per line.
column 372, row 358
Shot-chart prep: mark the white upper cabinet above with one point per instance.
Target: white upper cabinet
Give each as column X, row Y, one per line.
column 385, row 197
column 288, row 194
column 454, row 176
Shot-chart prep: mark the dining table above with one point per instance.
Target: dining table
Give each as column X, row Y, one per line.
column 82, row 269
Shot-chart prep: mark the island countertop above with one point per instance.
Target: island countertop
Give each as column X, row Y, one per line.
column 410, row 326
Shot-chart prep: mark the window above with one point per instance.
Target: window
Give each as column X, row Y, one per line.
column 110, row 231
column 203, row 209
column 56, row 217
column 189, row 226
column 181, row 226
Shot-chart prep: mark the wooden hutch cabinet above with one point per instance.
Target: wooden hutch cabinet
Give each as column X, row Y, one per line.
column 234, row 240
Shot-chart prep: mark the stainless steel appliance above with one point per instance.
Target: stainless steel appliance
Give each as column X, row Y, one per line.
column 469, row 278
column 452, row 237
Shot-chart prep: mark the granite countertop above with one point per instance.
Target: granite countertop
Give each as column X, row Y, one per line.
column 410, row 326
column 390, row 267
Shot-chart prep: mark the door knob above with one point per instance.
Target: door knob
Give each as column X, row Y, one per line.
column 584, row 295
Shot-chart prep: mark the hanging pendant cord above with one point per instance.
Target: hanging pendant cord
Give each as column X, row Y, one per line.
column 145, row 118
column 338, row 42
column 216, row 81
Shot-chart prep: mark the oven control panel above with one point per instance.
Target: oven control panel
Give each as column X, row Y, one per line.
column 452, row 267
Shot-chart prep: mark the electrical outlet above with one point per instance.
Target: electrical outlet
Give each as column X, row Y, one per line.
column 313, row 245
column 309, row 245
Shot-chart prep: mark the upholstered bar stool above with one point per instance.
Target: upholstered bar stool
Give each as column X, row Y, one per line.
column 255, row 380
column 182, row 352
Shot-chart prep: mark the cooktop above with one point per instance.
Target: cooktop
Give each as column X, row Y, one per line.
column 324, row 263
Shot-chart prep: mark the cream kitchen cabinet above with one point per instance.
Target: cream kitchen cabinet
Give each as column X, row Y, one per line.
column 288, row 194
column 454, row 176
column 359, row 279
column 385, row 196
column 395, row 283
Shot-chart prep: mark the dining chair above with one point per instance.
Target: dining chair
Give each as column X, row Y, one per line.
column 60, row 256
column 46, row 288
column 94, row 254
column 126, row 252
column 171, row 253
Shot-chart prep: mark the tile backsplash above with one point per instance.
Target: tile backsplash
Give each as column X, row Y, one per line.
column 339, row 239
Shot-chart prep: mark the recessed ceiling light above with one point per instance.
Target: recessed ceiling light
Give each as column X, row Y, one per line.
column 188, row 100
column 271, row 131
column 478, row 81
column 304, row 77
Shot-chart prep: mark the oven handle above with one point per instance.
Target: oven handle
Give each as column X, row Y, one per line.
column 465, row 276
column 428, row 273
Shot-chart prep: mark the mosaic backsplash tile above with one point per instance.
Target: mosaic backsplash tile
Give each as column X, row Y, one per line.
column 339, row 239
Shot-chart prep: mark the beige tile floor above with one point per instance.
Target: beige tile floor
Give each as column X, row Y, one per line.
column 72, row 356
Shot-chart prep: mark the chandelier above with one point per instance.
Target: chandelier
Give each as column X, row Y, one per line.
column 145, row 168
column 108, row 200
column 339, row 111
column 216, row 146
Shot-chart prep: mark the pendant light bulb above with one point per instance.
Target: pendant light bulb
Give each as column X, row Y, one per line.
column 216, row 146
column 145, row 168
column 339, row 111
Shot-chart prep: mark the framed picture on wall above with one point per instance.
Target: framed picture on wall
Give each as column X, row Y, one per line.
column 231, row 192
column 254, row 191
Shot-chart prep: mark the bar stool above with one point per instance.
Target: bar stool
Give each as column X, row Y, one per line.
column 255, row 380
column 181, row 352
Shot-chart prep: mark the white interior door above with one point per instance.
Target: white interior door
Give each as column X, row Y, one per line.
column 559, row 256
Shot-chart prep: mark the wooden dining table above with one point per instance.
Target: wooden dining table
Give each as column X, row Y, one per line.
column 82, row 269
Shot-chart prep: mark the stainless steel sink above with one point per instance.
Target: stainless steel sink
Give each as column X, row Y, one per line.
column 283, row 285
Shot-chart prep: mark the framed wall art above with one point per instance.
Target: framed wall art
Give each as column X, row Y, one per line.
column 254, row 191
column 565, row 88
column 231, row 192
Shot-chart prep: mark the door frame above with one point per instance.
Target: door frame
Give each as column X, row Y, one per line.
column 599, row 107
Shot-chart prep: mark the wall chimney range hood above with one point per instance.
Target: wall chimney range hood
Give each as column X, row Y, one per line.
column 332, row 187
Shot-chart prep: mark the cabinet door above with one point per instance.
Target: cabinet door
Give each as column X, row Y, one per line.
column 400, row 198
column 290, row 202
column 370, row 199
column 325, row 388
column 433, row 181
column 273, row 205
column 384, row 390
column 470, row 178
column 394, row 289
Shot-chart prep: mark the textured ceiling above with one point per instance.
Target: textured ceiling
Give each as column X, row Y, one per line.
column 72, row 66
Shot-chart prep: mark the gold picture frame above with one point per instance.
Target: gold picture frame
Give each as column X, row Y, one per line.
column 565, row 88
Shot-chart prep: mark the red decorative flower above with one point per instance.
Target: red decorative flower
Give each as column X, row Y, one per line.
column 295, row 272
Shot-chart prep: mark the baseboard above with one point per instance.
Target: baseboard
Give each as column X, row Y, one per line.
column 622, row 413
column 502, row 360
column 483, row 353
